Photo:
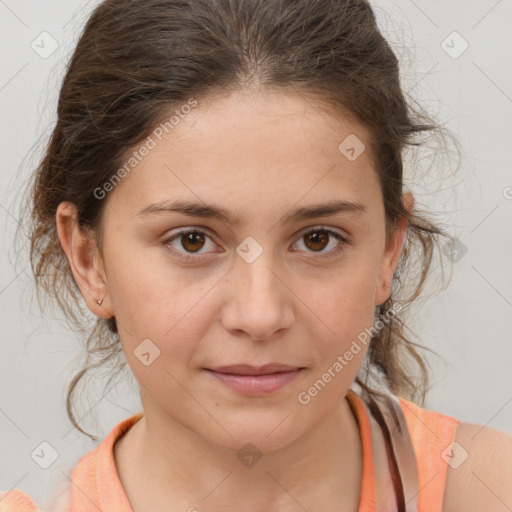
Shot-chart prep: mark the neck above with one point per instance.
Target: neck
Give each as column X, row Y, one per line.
column 161, row 461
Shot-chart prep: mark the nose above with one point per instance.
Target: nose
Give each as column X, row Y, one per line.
column 259, row 302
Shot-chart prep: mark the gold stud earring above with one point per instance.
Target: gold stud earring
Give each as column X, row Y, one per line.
column 99, row 302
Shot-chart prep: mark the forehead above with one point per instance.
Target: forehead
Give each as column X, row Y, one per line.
column 266, row 149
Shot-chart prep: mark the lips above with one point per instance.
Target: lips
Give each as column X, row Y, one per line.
column 255, row 381
column 246, row 369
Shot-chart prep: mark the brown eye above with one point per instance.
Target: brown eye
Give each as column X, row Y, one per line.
column 318, row 240
column 192, row 241
column 187, row 242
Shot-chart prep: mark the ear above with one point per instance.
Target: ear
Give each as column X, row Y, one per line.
column 85, row 260
column 392, row 253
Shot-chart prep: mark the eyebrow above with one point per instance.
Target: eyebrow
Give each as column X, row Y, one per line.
column 210, row 211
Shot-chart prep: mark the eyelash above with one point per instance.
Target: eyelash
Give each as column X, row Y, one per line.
column 188, row 258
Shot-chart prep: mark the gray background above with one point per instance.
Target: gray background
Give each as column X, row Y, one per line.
column 468, row 325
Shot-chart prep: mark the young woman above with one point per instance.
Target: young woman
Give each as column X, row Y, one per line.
column 224, row 190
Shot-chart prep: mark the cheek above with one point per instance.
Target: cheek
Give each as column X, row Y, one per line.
column 344, row 314
column 150, row 293
column 159, row 314
column 348, row 297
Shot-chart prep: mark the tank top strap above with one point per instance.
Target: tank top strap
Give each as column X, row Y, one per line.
column 398, row 482
column 417, row 442
column 403, row 466
column 432, row 434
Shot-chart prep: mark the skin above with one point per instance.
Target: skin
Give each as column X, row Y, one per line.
column 257, row 156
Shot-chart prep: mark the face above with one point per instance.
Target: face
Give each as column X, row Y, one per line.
column 274, row 279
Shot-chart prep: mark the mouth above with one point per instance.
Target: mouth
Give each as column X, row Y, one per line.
column 255, row 381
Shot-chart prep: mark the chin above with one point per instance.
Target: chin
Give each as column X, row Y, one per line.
column 265, row 432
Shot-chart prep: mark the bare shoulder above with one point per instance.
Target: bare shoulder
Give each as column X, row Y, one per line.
column 479, row 476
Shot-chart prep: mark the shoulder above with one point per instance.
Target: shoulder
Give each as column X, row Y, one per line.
column 17, row 500
column 480, row 478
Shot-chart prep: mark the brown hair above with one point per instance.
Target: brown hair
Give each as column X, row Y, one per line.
column 138, row 60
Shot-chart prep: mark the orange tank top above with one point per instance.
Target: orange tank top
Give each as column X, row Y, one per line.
column 96, row 485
